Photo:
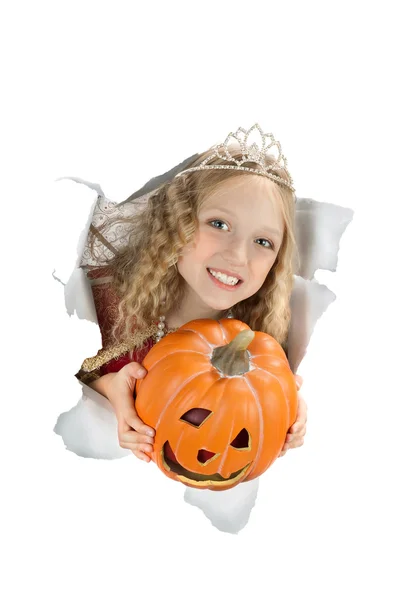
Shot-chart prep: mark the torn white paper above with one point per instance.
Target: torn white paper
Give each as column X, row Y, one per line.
column 89, row 429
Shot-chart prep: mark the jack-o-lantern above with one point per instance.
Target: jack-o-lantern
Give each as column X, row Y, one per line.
column 221, row 399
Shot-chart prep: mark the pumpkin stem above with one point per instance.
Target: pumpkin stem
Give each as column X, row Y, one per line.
column 233, row 359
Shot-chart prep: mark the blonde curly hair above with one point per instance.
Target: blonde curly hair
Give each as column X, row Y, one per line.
column 145, row 274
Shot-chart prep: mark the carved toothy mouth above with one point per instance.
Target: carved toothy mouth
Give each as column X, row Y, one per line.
column 197, row 479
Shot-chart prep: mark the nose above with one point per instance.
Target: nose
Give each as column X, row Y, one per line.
column 235, row 252
column 204, row 455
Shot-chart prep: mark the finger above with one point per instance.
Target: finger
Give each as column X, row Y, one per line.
column 135, row 447
column 137, row 424
column 144, row 448
column 290, row 437
column 124, row 428
column 126, row 424
column 141, row 455
column 297, row 443
column 301, row 409
column 293, row 438
column 302, row 406
column 299, row 381
column 134, row 370
column 299, row 428
column 132, row 437
column 301, row 432
column 130, row 373
column 293, row 444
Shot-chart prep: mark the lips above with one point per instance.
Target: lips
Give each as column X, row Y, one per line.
column 229, row 273
column 224, row 286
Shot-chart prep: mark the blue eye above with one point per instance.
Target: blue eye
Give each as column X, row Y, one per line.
column 271, row 245
column 217, row 221
column 268, row 242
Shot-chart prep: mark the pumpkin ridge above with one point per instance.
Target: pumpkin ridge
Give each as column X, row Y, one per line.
column 226, row 328
column 201, row 336
column 176, row 449
column 261, row 425
column 223, row 331
column 225, row 452
column 177, row 351
column 283, row 391
column 189, row 380
column 283, row 360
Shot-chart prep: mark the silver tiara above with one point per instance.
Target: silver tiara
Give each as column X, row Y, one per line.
column 256, row 152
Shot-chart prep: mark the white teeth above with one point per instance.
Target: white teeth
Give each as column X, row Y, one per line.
column 224, row 278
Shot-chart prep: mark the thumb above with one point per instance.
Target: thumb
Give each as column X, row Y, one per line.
column 134, row 369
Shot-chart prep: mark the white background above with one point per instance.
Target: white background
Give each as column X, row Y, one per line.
column 117, row 93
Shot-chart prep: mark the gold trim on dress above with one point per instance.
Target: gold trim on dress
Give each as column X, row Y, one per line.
column 90, row 368
column 88, row 377
column 106, row 354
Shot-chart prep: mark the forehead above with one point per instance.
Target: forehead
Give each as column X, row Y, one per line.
column 250, row 193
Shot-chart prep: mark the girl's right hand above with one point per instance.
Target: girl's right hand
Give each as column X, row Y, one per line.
column 133, row 434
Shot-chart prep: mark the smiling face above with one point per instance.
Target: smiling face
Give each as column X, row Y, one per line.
column 240, row 232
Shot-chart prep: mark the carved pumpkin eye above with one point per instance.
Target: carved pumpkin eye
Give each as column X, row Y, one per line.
column 196, row 416
column 242, row 440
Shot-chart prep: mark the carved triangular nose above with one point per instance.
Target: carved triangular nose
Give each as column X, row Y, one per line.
column 204, row 455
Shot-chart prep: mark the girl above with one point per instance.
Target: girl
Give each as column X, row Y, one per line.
column 216, row 241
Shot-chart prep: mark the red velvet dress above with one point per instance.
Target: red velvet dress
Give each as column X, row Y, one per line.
column 106, row 304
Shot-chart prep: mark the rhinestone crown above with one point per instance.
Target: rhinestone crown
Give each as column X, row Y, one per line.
column 254, row 152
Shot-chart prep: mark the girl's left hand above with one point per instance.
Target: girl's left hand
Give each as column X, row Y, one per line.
column 295, row 435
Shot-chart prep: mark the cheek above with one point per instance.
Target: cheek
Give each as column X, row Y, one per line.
column 260, row 271
column 205, row 244
column 192, row 255
column 263, row 264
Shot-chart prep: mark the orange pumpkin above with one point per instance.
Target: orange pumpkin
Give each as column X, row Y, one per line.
column 221, row 398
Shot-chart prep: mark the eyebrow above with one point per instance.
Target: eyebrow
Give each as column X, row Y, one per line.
column 262, row 227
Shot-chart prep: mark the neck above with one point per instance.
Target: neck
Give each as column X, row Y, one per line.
column 187, row 311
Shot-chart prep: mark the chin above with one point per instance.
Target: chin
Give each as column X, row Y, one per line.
column 220, row 306
column 216, row 303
